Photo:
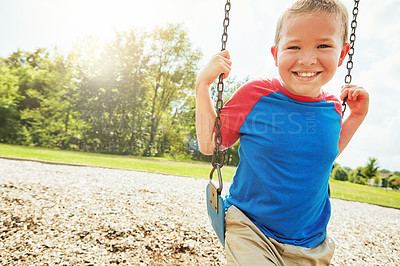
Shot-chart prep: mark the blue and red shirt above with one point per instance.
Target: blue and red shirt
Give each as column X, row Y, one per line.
column 288, row 144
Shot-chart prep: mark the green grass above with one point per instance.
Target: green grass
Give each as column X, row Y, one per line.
column 154, row 165
column 339, row 189
column 375, row 195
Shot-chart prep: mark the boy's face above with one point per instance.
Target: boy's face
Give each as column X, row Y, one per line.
column 309, row 52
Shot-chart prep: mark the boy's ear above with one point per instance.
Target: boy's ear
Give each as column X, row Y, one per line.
column 343, row 53
column 274, row 52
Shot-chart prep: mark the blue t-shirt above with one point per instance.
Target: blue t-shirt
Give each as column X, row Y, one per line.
column 288, row 144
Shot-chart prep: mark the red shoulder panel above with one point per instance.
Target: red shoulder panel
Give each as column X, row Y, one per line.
column 240, row 105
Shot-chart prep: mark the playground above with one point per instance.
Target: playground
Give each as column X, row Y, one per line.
column 63, row 215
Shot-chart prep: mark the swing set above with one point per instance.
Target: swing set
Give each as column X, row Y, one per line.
column 215, row 202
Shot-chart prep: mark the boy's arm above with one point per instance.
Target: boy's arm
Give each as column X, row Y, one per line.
column 205, row 114
column 358, row 102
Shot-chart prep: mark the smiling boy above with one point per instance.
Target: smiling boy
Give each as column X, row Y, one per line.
column 290, row 133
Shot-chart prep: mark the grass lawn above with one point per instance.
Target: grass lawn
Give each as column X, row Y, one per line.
column 339, row 189
column 375, row 195
column 154, row 165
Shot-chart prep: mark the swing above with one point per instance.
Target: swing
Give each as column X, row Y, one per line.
column 214, row 200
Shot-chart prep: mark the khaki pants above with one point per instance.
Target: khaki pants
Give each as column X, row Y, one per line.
column 245, row 244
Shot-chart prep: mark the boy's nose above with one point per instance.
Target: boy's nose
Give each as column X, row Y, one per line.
column 307, row 58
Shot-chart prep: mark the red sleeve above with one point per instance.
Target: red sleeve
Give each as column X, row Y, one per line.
column 333, row 99
column 240, row 105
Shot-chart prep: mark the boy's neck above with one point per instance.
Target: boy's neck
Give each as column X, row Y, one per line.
column 316, row 94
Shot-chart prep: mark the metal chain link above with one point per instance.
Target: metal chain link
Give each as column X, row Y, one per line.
column 220, row 103
column 350, row 64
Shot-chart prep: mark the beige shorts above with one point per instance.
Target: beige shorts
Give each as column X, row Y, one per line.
column 245, row 244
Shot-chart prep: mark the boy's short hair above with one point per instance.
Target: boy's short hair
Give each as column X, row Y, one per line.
column 334, row 7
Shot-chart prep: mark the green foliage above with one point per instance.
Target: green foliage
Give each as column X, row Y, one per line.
column 385, row 182
column 232, row 156
column 348, row 169
column 371, row 169
column 9, row 99
column 362, row 175
column 356, row 176
column 394, row 181
column 133, row 94
column 384, row 171
column 377, row 180
column 172, row 75
column 231, row 84
column 339, row 173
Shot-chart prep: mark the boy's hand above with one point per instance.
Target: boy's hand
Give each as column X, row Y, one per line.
column 205, row 113
column 219, row 63
column 357, row 99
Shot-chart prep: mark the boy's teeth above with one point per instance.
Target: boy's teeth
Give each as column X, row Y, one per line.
column 306, row 74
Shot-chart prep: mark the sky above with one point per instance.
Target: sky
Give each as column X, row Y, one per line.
column 31, row 24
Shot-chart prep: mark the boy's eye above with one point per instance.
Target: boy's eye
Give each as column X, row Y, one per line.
column 324, row 46
column 293, row 48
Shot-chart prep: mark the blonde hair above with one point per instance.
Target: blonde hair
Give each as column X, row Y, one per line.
column 334, row 7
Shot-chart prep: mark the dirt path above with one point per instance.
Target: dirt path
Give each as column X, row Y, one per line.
column 63, row 215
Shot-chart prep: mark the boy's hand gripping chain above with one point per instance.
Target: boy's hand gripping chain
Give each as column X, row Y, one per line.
column 348, row 77
column 215, row 203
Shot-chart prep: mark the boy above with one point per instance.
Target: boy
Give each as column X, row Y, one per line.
column 290, row 133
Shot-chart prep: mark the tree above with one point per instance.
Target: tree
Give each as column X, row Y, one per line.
column 385, row 181
column 9, row 100
column 377, row 180
column 384, row 171
column 137, row 90
column 348, row 169
column 339, row 173
column 42, row 83
column 394, row 181
column 173, row 73
column 114, row 102
column 232, row 156
column 357, row 177
column 133, row 94
column 371, row 169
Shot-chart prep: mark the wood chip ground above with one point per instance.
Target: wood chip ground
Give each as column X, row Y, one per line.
column 68, row 215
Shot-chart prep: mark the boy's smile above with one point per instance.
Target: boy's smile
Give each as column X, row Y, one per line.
column 309, row 52
column 306, row 76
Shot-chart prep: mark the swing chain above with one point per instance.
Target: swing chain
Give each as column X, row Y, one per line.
column 350, row 64
column 220, row 103
column 226, row 24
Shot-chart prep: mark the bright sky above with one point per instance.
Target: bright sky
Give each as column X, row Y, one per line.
column 30, row 24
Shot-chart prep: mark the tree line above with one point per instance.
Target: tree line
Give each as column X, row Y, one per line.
column 370, row 174
column 131, row 95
